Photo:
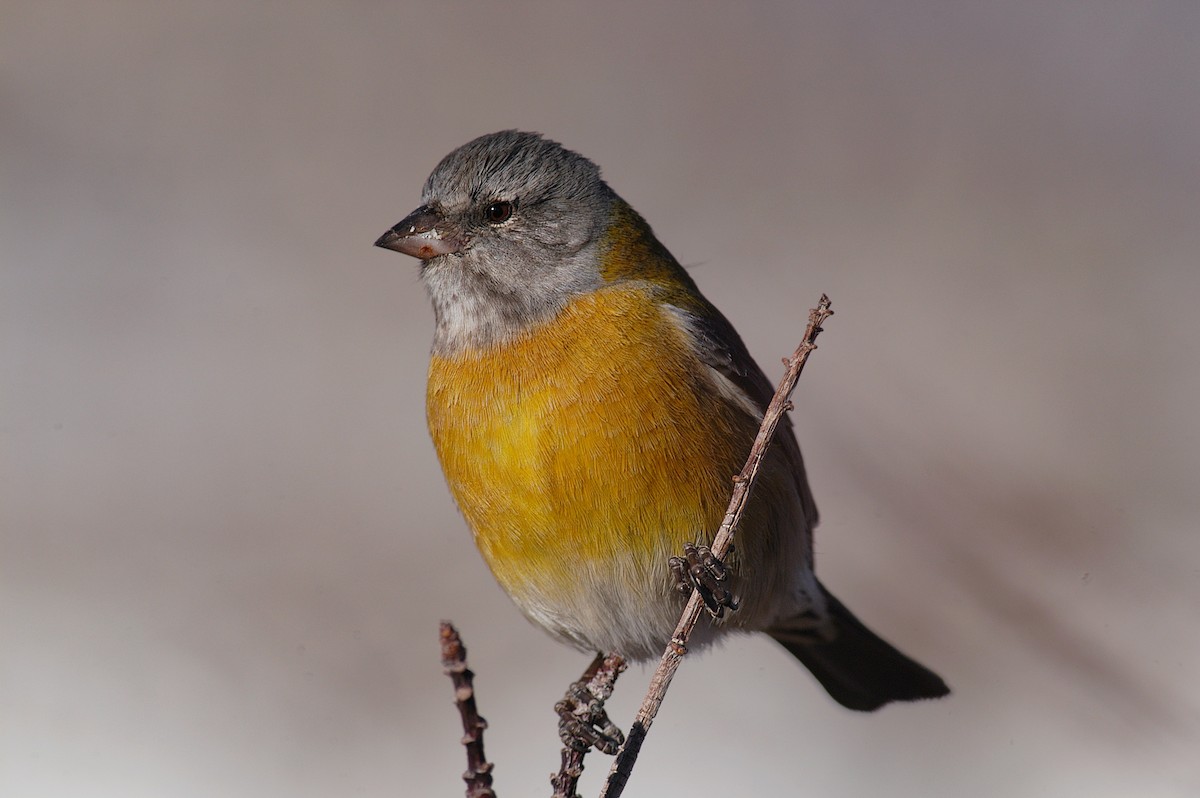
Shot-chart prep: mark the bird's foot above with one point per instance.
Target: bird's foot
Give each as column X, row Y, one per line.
column 698, row 568
column 582, row 721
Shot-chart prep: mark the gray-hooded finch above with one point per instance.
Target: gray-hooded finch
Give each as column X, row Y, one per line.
column 589, row 407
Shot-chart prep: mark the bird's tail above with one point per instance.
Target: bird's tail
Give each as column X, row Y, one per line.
column 857, row 667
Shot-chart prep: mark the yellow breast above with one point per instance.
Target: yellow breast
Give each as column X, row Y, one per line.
column 593, row 442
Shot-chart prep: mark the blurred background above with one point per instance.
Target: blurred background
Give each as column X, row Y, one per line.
column 225, row 542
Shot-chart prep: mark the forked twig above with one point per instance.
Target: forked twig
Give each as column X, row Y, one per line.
column 622, row 766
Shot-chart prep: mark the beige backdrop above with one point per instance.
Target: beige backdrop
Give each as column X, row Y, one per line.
column 225, row 540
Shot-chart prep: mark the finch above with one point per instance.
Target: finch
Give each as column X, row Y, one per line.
column 589, row 407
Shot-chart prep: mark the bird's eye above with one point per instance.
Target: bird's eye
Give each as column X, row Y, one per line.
column 498, row 212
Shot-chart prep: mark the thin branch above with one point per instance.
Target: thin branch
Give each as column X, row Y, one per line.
column 454, row 660
column 622, row 766
column 583, row 723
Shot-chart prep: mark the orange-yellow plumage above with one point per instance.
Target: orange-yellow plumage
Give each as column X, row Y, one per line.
column 586, row 443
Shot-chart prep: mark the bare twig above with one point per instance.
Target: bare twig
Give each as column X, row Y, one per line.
column 583, row 723
column 454, row 660
column 622, row 766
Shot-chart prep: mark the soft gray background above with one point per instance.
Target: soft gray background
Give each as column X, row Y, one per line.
column 225, row 540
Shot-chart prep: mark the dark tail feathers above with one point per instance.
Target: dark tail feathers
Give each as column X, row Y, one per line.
column 858, row 668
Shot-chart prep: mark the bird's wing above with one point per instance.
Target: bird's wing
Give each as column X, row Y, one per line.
column 719, row 347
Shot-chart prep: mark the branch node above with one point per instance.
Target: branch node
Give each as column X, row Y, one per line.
column 478, row 775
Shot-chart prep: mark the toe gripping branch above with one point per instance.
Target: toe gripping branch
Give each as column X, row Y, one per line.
column 700, row 569
column 582, row 721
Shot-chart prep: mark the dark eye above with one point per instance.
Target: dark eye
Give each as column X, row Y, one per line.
column 498, row 212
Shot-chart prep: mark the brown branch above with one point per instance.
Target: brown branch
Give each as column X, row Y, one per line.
column 584, row 724
column 622, row 766
column 454, row 660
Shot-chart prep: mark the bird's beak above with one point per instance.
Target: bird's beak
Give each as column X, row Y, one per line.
column 423, row 234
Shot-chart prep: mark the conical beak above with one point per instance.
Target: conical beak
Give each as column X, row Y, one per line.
column 423, row 234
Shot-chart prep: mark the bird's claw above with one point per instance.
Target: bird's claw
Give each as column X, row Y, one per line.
column 700, row 569
column 583, row 723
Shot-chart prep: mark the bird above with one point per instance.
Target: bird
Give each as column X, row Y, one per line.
column 589, row 406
